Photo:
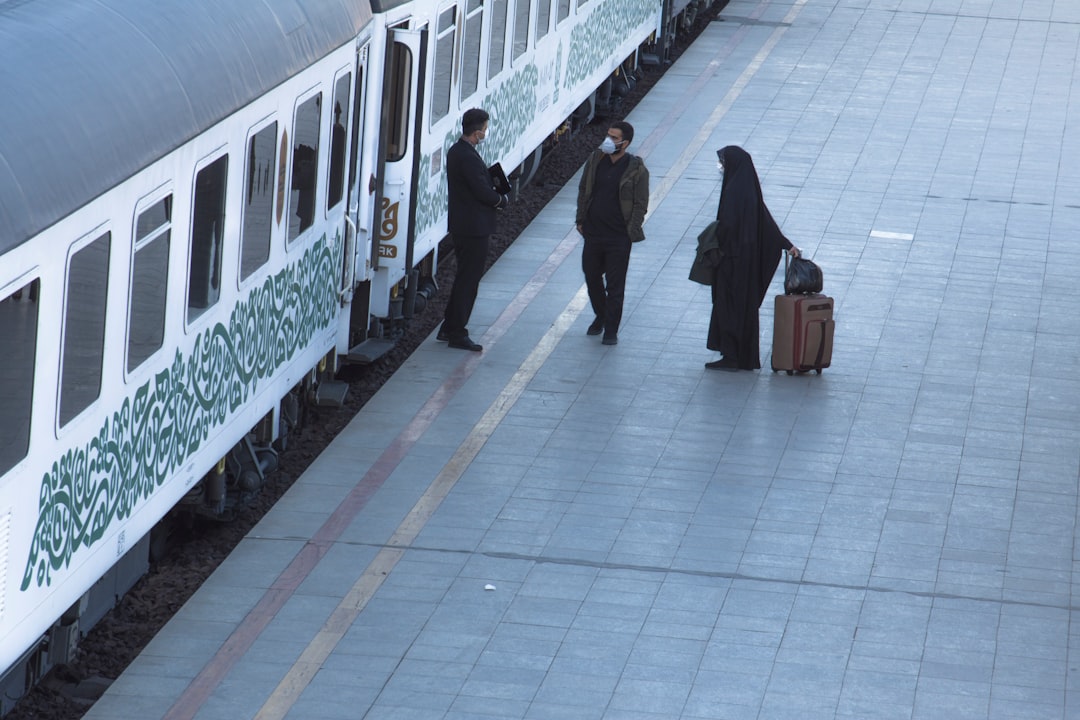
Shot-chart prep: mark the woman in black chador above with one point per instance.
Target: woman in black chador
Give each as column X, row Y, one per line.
column 751, row 243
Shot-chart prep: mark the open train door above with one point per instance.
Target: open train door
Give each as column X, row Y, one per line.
column 355, row 282
column 398, row 167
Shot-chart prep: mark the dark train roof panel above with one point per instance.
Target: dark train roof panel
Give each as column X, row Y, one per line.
column 380, row 6
column 93, row 91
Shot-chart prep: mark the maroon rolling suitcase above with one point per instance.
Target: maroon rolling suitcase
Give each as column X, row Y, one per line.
column 802, row 333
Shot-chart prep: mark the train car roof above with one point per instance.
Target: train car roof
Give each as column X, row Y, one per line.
column 95, row 90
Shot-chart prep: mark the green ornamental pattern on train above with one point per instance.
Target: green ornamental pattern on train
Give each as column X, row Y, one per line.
column 154, row 432
column 592, row 42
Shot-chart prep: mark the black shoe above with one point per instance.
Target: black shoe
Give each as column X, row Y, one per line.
column 722, row 364
column 442, row 336
column 466, row 343
column 610, row 339
column 596, row 328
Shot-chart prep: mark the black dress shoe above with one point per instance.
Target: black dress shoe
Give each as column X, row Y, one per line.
column 596, row 328
column 442, row 336
column 465, row 343
column 610, row 339
column 723, row 364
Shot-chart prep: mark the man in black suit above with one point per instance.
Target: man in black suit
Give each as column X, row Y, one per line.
column 472, row 204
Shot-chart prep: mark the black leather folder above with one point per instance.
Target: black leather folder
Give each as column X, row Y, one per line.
column 498, row 179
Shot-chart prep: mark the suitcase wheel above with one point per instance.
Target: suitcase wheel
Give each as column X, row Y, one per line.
column 818, row 371
column 790, row 372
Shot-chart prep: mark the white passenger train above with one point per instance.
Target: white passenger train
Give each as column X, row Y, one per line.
column 205, row 207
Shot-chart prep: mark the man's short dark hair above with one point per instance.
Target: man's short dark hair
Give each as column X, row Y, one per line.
column 626, row 128
column 473, row 120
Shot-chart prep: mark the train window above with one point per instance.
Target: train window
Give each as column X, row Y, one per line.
column 397, row 103
column 444, row 64
column 18, row 327
column 357, row 119
column 84, row 327
column 149, row 282
column 336, row 186
column 564, row 10
column 497, row 48
column 521, row 27
column 581, row 2
column 470, row 47
column 207, row 230
column 543, row 18
column 258, row 201
column 305, row 166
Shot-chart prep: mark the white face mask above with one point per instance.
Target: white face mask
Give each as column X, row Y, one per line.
column 608, row 146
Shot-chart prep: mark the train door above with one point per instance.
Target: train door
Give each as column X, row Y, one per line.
column 398, row 160
column 355, row 286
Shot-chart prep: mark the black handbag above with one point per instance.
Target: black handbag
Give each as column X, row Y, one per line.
column 801, row 276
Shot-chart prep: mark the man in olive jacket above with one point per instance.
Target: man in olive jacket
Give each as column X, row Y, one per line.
column 613, row 197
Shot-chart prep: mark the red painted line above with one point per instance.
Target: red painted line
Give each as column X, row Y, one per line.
column 251, row 627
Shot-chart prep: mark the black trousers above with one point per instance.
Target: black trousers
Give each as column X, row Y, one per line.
column 604, row 262
column 471, row 253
